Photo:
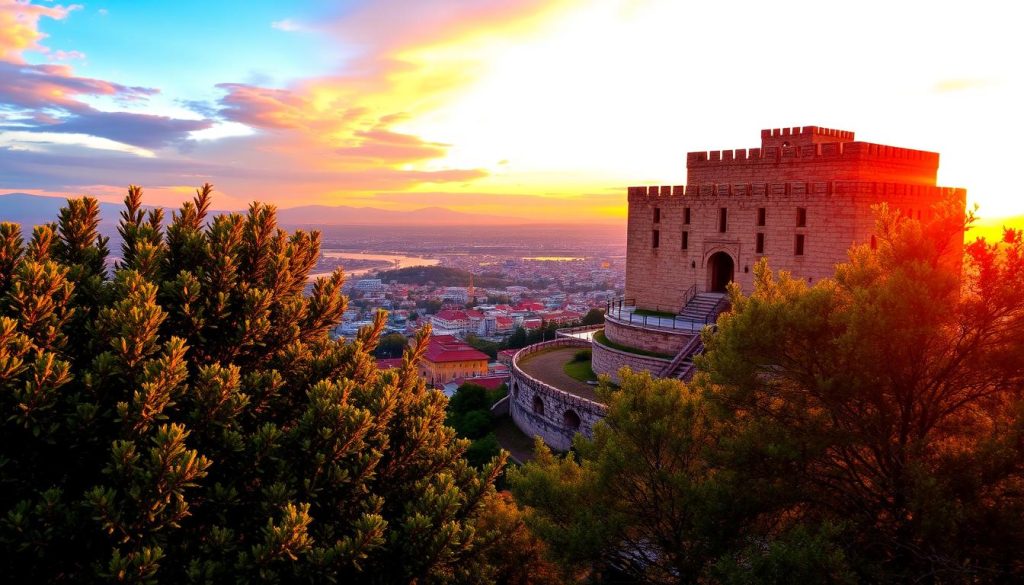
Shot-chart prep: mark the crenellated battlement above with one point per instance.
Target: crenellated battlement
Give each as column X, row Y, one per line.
column 822, row 188
column 811, row 152
column 816, row 133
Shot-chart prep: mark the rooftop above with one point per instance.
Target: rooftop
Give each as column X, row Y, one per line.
column 446, row 348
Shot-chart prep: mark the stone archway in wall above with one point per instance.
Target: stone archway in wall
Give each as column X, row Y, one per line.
column 721, row 271
column 571, row 420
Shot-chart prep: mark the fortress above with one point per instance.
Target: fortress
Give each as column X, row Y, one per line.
column 801, row 199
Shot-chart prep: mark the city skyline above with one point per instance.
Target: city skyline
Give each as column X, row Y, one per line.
column 542, row 111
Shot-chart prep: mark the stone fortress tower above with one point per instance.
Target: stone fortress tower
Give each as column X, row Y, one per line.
column 801, row 199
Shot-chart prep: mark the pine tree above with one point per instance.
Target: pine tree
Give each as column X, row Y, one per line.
column 890, row 400
column 189, row 419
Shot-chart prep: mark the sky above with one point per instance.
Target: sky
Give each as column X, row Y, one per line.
column 539, row 110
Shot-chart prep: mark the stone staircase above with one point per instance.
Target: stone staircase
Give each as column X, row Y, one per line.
column 682, row 366
column 702, row 307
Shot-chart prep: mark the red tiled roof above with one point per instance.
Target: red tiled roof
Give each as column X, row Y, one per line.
column 388, row 363
column 445, row 339
column 451, row 315
column 442, row 350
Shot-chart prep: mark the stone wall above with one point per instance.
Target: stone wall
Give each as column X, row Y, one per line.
column 540, row 409
column 824, row 172
column 666, row 341
column 850, row 161
column 838, row 216
column 606, row 360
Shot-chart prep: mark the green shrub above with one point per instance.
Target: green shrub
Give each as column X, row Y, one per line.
column 189, row 419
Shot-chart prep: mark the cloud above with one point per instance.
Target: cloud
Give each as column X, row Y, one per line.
column 266, row 107
column 386, row 25
column 145, row 130
column 48, row 86
column 66, row 55
column 48, row 98
column 287, row 25
column 319, row 116
column 312, row 140
column 261, row 175
column 392, row 147
column 19, row 26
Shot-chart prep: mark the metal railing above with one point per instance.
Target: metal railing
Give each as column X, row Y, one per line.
column 575, row 331
column 624, row 311
column 690, row 294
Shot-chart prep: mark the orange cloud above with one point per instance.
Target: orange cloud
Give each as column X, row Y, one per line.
column 19, row 26
column 389, row 26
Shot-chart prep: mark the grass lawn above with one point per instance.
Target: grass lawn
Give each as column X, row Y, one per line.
column 601, row 338
column 580, row 370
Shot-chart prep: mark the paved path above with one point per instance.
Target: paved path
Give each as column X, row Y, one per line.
column 514, row 440
column 547, row 366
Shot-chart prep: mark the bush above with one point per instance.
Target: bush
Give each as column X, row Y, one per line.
column 474, row 424
column 469, row 397
column 483, row 450
column 190, row 419
column 582, row 355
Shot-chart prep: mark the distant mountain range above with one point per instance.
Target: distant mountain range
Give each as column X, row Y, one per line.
column 345, row 215
column 31, row 210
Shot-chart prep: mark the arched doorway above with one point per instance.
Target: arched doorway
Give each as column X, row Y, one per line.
column 720, row 271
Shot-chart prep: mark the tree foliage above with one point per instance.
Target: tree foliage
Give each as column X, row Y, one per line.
column 593, row 317
column 187, row 418
column 651, row 499
column 469, row 413
column 891, row 399
column 867, row 429
column 391, row 345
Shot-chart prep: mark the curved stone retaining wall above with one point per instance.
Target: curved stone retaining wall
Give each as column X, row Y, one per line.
column 607, row 360
column 659, row 340
column 541, row 409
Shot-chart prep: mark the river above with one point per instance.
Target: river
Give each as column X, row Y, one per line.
column 390, row 259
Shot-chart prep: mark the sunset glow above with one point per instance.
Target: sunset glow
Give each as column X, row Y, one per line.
column 530, row 110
